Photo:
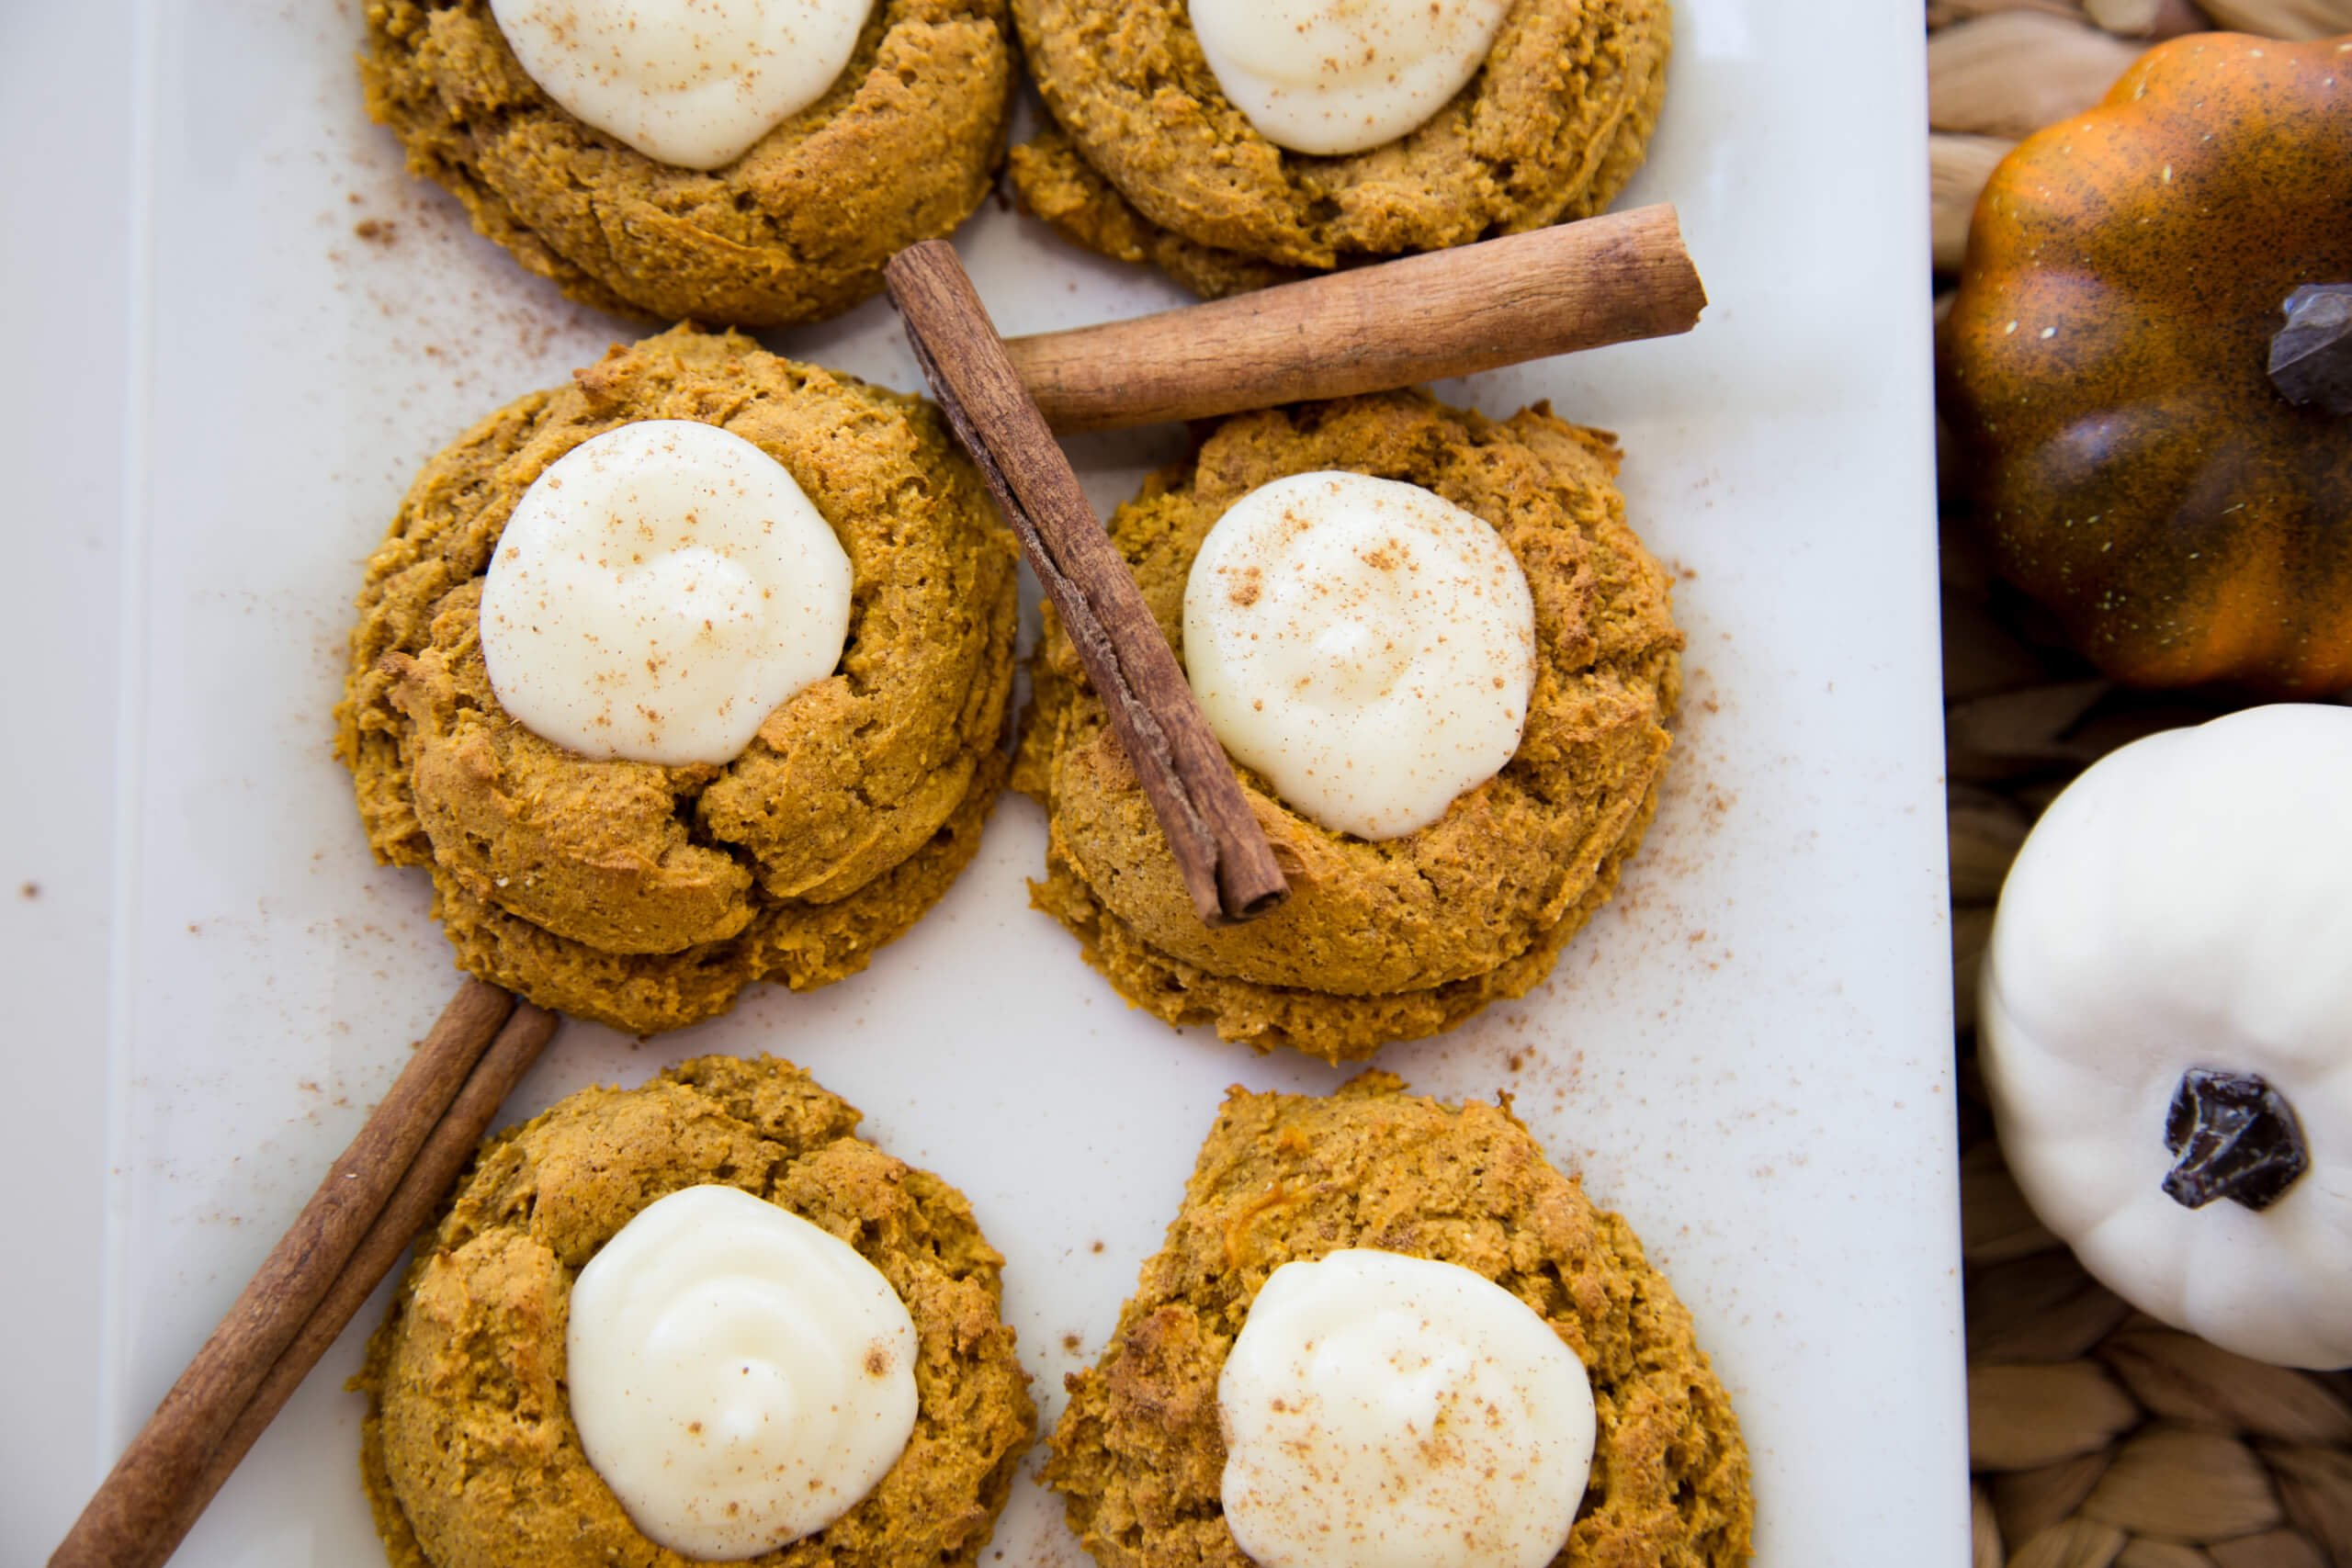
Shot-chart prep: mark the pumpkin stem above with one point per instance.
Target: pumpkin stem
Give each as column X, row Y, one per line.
column 2310, row 358
column 2237, row 1138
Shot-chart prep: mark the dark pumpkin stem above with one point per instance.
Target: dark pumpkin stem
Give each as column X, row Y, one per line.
column 2236, row 1138
column 2310, row 358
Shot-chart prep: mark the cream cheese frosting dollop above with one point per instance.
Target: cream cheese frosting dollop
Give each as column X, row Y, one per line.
column 1331, row 77
column 689, row 82
column 660, row 590
column 1366, row 645
column 740, row 1378
column 1389, row 1412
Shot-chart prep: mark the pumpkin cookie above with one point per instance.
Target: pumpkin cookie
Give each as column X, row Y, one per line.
column 471, row 1451
column 1405, row 936
column 901, row 147
column 647, row 896
column 1141, row 1454
column 1149, row 159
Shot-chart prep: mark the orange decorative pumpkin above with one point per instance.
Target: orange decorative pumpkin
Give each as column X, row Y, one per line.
column 2143, row 468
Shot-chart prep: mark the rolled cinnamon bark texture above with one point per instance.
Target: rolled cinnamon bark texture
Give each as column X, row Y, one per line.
column 1371, row 329
column 1222, row 854
column 339, row 1249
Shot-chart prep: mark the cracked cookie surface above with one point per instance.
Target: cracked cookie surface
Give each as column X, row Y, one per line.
column 1146, row 160
column 901, row 148
column 1403, row 937
column 468, row 1450
column 646, row 896
column 1138, row 1454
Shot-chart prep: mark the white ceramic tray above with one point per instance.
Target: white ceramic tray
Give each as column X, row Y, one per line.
column 1748, row 1054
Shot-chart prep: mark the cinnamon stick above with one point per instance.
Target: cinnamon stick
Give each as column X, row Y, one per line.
column 1574, row 285
column 142, row 1499
column 1220, row 851
column 411, row 1206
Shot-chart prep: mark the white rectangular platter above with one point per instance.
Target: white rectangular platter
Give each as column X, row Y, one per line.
column 1748, row 1054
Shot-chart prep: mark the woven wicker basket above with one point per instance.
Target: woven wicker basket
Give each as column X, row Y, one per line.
column 2097, row 1435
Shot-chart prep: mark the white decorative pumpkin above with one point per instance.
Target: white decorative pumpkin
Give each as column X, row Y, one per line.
column 2166, row 1028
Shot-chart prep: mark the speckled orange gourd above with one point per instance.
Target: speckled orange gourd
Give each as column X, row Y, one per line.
column 2107, row 365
